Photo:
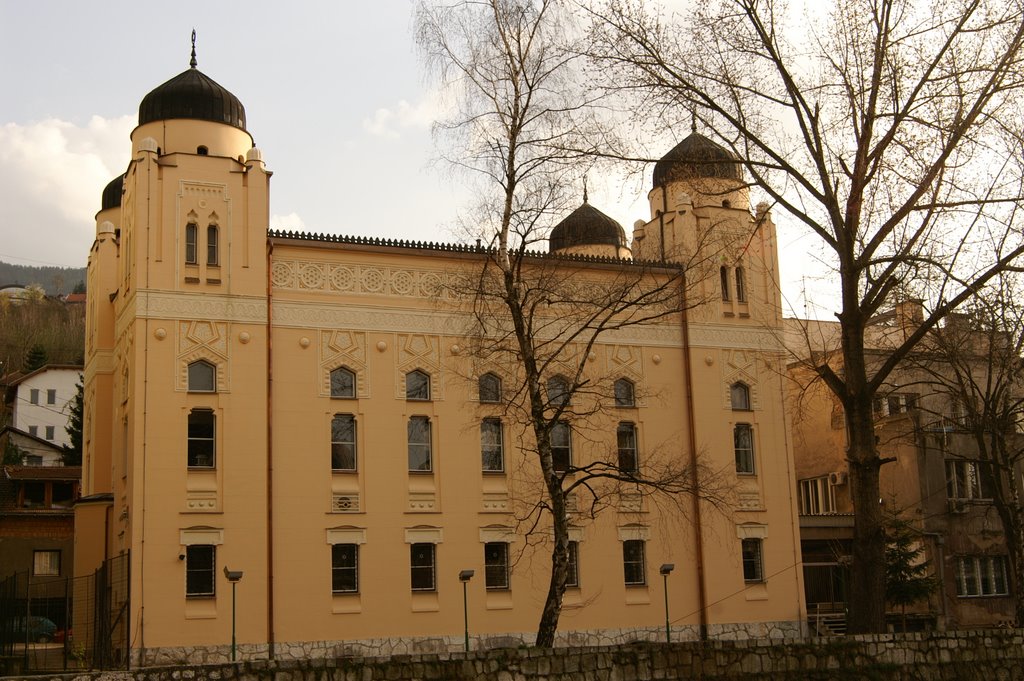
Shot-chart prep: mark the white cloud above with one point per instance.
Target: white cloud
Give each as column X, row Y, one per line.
column 52, row 174
column 390, row 122
column 287, row 223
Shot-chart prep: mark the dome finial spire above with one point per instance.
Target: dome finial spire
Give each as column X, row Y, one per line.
column 584, row 189
column 693, row 120
column 192, row 62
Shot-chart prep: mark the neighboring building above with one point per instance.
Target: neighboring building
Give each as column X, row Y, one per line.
column 37, row 520
column 39, row 401
column 302, row 408
column 935, row 483
column 32, row 450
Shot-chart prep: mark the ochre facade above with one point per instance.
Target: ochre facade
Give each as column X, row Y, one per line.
column 213, row 409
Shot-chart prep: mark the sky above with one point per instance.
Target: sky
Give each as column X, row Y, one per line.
column 335, row 97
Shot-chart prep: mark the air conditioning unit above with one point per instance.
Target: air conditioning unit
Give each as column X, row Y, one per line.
column 836, row 478
column 958, row 506
column 345, row 503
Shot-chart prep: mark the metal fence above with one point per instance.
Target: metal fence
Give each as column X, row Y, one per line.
column 52, row 624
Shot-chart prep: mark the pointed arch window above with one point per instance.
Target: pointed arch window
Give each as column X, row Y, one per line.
column 624, row 393
column 212, row 245
column 723, row 274
column 191, row 244
column 343, row 384
column 490, row 388
column 417, row 386
column 558, row 391
column 202, row 377
column 741, row 285
column 739, row 396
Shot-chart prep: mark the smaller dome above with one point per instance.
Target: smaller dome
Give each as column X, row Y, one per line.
column 112, row 193
column 697, row 156
column 192, row 94
column 586, row 226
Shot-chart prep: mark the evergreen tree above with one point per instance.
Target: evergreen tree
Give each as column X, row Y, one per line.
column 72, row 454
column 35, row 358
column 907, row 578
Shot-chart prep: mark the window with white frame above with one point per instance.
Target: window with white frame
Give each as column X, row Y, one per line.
column 723, row 274
column 968, row 479
column 561, row 446
column 417, row 386
column 496, row 565
column 191, row 244
column 46, row 563
column 817, row 496
column 343, row 442
column 422, row 573
column 491, row 446
column 753, row 566
column 420, row 459
column 343, row 384
column 633, row 562
column 573, row 577
column 741, row 285
column 200, row 571
column 894, row 403
column 212, row 246
column 202, row 445
column 344, row 568
column 981, row 576
column 626, row 436
column 202, row 377
column 743, row 445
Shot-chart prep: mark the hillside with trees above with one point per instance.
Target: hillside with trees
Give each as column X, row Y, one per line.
column 54, row 280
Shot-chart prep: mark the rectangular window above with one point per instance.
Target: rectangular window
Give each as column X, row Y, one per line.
column 191, row 246
column 49, row 432
column 496, row 565
column 743, row 443
column 633, row 567
column 419, row 444
column 968, row 479
column 33, row 494
column 573, row 577
column 33, row 395
column 51, row 396
column 33, row 431
column 422, row 567
column 343, row 442
column 626, row 435
column 561, row 447
column 817, row 496
column 753, row 570
column 345, row 568
column 212, row 252
column 201, row 438
column 46, row 563
column 491, row 450
column 200, row 571
column 981, row 576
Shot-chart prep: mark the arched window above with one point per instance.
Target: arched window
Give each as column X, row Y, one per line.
column 741, row 285
column 739, row 396
column 202, row 151
column 202, row 377
column 558, row 391
column 724, row 275
column 490, row 388
column 212, row 247
column 624, row 393
column 191, row 244
column 743, row 443
column 343, row 383
column 417, row 385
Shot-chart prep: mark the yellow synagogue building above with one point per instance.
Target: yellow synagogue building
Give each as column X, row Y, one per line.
column 305, row 410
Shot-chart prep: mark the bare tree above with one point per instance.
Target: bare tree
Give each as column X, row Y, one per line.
column 522, row 124
column 890, row 129
column 976, row 361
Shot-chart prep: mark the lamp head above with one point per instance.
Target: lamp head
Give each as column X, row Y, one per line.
column 465, row 575
column 667, row 568
column 232, row 575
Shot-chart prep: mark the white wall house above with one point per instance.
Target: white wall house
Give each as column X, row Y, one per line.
column 41, row 403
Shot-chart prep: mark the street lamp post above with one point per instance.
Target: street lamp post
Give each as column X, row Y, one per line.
column 234, row 576
column 464, row 577
column 665, row 570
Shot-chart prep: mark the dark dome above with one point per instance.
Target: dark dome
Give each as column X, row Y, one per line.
column 192, row 94
column 586, row 226
column 697, row 156
column 112, row 193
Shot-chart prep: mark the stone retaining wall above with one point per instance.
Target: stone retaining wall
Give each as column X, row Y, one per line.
column 992, row 655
